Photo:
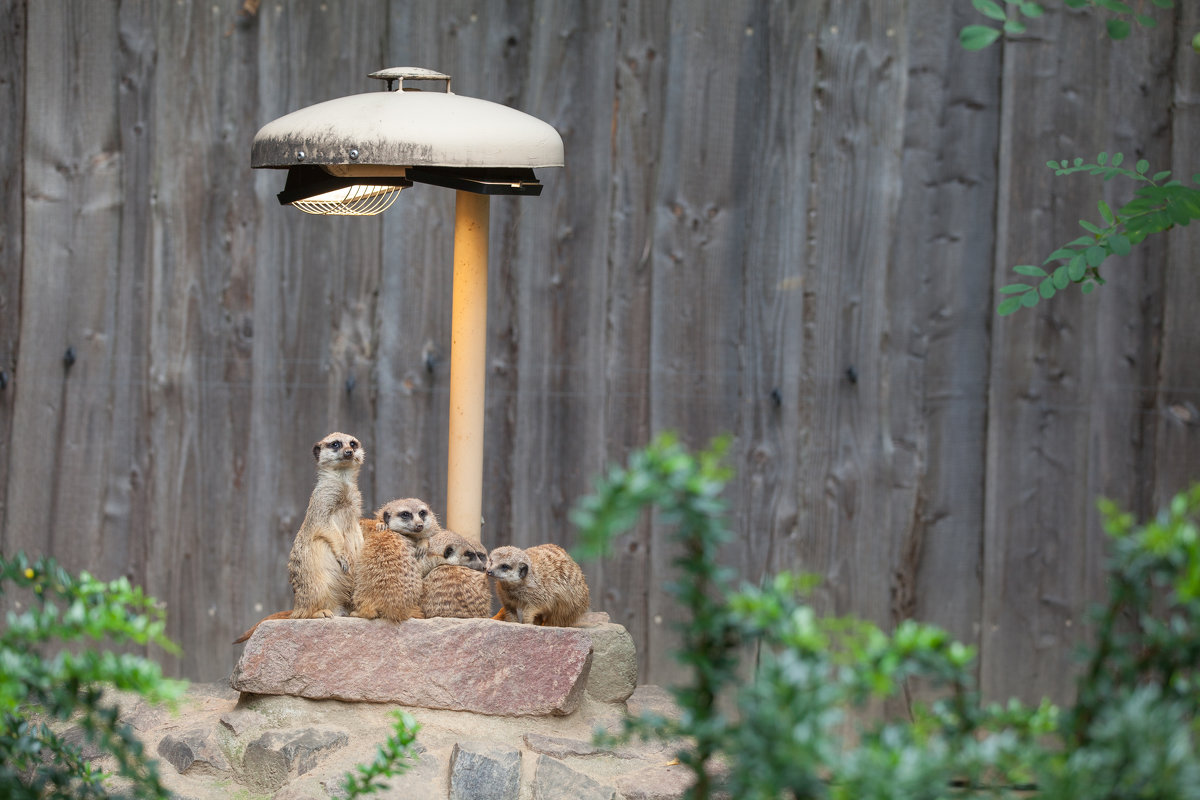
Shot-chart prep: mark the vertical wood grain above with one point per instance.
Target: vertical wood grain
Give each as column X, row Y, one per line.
column 860, row 441
column 71, row 267
column 942, row 257
column 1064, row 411
column 622, row 584
column 12, row 139
column 1177, row 402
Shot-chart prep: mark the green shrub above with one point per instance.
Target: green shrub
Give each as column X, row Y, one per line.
column 1130, row 734
column 42, row 681
column 392, row 758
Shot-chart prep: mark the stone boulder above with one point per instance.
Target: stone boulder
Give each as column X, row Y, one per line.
column 476, row 665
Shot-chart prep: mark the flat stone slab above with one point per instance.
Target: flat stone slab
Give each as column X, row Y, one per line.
column 476, row 665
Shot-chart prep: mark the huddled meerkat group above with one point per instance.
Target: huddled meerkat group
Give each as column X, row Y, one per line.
column 402, row 565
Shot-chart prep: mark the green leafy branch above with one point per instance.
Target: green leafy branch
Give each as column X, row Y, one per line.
column 40, row 681
column 1156, row 207
column 393, row 758
column 977, row 37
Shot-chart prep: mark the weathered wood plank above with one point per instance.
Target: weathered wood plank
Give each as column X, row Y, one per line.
column 1177, row 402
column 622, row 585
column 62, row 414
column 558, row 271
column 1064, row 410
column 860, row 439
column 944, row 241
column 12, row 163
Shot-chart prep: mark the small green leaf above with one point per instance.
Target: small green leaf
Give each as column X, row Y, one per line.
column 977, row 37
column 1077, row 267
column 1117, row 159
column 1010, row 305
column 1061, row 253
column 1158, row 176
column 1076, row 3
column 1061, row 278
column 1116, row 6
column 1146, row 21
column 1118, row 29
column 1078, row 162
column 1046, row 288
column 1087, row 226
column 1029, row 269
column 1014, row 288
column 1119, row 244
column 1102, row 159
column 990, row 9
column 1095, row 255
column 1029, row 299
column 1164, row 3
column 1014, row 26
column 1142, row 166
column 1088, row 288
column 1031, row 9
column 1106, row 212
column 1052, row 164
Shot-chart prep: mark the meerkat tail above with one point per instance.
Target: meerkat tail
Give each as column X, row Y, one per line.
column 253, row 628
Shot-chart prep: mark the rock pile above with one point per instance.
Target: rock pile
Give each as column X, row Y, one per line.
column 506, row 711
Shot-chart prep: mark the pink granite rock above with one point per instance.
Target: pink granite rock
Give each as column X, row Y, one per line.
column 476, row 665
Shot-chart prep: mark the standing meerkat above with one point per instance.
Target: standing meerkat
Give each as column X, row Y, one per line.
column 322, row 558
column 455, row 584
column 541, row 585
column 388, row 579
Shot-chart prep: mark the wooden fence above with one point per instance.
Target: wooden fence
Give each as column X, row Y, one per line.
column 785, row 221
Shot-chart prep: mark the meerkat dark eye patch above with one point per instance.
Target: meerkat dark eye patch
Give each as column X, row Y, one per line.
column 335, row 445
column 353, row 445
column 406, row 515
column 423, row 513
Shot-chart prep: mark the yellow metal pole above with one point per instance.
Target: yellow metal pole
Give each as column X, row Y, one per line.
column 468, row 366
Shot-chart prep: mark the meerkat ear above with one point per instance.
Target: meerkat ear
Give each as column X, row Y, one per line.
column 386, row 516
column 523, row 571
column 317, row 451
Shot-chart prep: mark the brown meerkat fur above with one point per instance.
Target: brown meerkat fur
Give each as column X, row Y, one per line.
column 409, row 517
column 321, row 562
column 541, row 585
column 322, row 559
column 455, row 584
column 449, row 548
column 388, row 579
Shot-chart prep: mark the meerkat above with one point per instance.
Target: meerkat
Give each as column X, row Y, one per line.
column 410, row 517
column 388, row 580
column 447, row 548
column 323, row 555
column 541, row 585
column 455, row 584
